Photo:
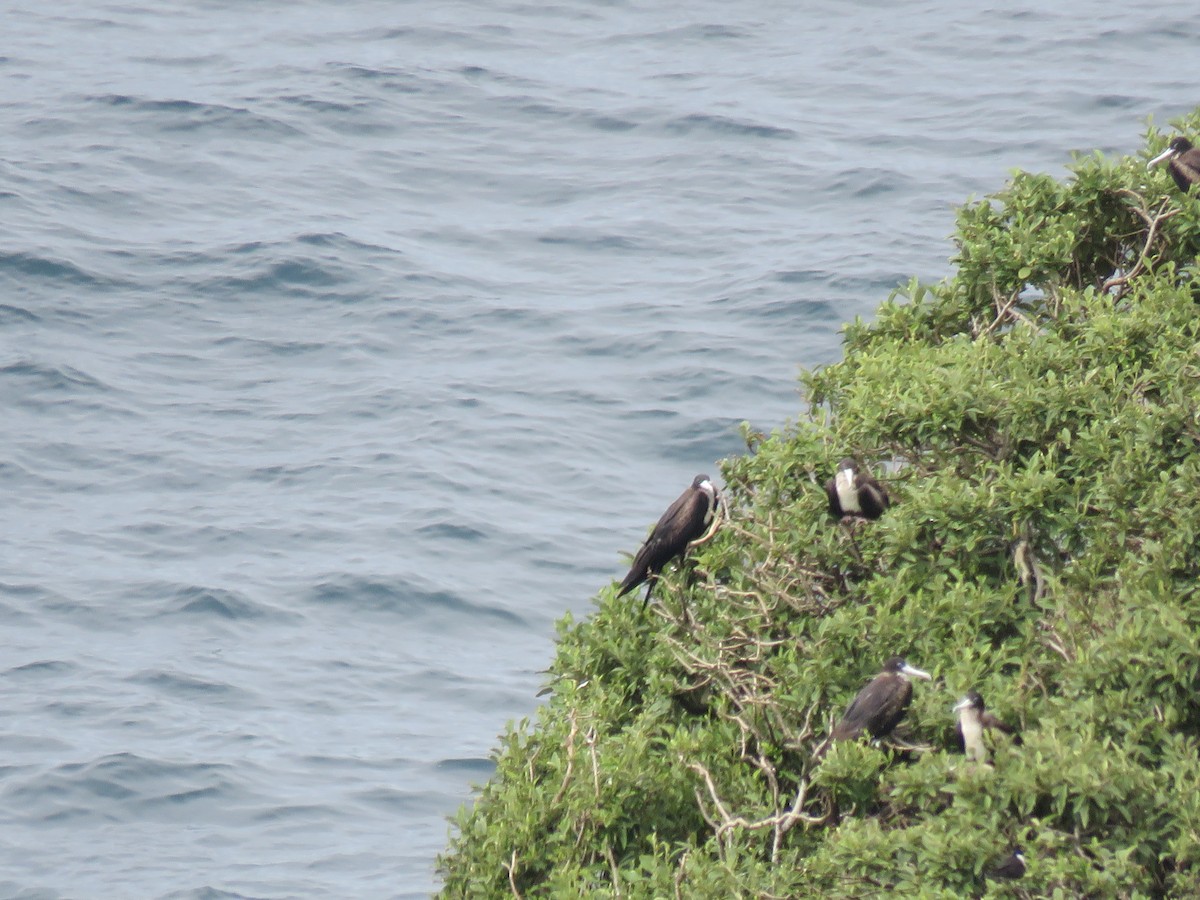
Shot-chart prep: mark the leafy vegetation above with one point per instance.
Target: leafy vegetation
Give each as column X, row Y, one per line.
column 1037, row 421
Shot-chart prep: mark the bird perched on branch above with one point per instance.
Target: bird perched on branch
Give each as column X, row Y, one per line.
column 853, row 493
column 1183, row 162
column 973, row 721
column 685, row 520
column 879, row 706
column 1012, row 867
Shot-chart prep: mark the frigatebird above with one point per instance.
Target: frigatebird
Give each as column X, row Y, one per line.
column 879, row 706
column 853, row 492
column 1012, row 867
column 1183, row 162
column 973, row 721
column 684, row 521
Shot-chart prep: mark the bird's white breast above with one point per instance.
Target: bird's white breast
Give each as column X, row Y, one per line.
column 846, row 491
column 972, row 732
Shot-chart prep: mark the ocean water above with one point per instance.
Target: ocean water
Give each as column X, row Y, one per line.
column 344, row 346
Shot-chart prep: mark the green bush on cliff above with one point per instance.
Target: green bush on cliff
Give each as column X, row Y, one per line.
column 1037, row 421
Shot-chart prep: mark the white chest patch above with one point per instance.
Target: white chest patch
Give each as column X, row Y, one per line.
column 972, row 732
column 846, row 491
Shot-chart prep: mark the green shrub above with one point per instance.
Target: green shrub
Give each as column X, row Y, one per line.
column 1037, row 421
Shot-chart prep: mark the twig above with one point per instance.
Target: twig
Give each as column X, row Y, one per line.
column 680, row 875
column 1001, row 313
column 591, row 742
column 1152, row 224
column 616, row 873
column 570, row 759
column 1055, row 642
column 782, row 822
column 718, row 517
column 512, row 875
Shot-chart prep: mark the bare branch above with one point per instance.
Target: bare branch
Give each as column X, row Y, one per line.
column 570, row 759
column 511, row 867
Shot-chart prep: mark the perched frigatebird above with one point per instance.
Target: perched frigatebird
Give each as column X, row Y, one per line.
column 1012, row 867
column 685, row 520
column 854, row 493
column 1183, row 162
column 879, row 706
column 973, row 721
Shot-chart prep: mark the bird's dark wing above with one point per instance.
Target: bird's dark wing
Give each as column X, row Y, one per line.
column 650, row 559
column 638, row 572
column 877, row 708
column 959, row 740
column 835, row 505
column 872, row 497
column 684, row 519
column 1012, row 867
column 681, row 523
column 1185, row 169
column 990, row 721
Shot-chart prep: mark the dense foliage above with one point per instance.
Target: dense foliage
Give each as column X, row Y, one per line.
column 1037, row 421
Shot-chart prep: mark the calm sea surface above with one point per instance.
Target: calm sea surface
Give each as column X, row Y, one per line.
column 345, row 345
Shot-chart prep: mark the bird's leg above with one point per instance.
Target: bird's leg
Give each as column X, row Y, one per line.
column 852, row 533
column 650, row 582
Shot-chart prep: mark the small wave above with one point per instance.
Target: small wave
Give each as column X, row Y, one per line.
column 20, row 892
column 451, row 531
column 183, row 62
column 479, row 766
column 398, row 802
column 53, row 378
column 191, row 115
column 217, row 602
column 396, row 80
column 28, row 264
column 134, row 784
column 204, row 602
column 313, row 264
column 285, row 474
column 584, row 239
column 724, row 125
column 869, row 182
column 403, row 598
column 10, row 315
column 208, row 893
column 179, row 684
column 610, row 123
column 42, row 667
column 304, row 812
column 29, row 597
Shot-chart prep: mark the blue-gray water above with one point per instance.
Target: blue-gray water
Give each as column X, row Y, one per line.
column 345, row 345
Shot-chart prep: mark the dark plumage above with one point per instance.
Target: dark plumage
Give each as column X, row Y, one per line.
column 1183, row 162
column 685, row 520
column 973, row 721
column 853, row 492
column 879, row 706
column 1012, row 867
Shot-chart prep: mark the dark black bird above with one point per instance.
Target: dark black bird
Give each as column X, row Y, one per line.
column 685, row 520
column 1012, row 867
column 879, row 706
column 853, row 492
column 1183, row 162
column 973, row 721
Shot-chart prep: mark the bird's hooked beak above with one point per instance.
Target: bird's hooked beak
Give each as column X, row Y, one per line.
column 964, row 703
column 1165, row 155
column 914, row 672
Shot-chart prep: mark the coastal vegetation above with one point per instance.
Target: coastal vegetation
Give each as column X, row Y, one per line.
column 1036, row 420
